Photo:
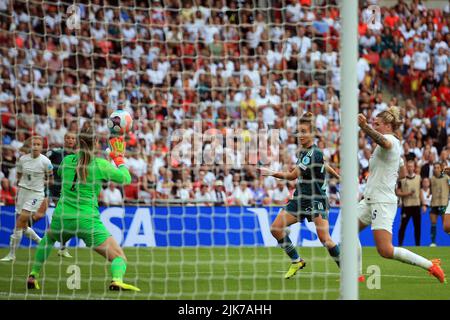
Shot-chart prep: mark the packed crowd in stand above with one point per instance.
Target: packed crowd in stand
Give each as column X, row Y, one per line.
column 226, row 65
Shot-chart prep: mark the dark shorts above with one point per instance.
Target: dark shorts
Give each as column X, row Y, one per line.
column 438, row 210
column 308, row 209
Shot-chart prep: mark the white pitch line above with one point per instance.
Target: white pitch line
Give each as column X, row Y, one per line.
column 324, row 274
column 97, row 296
column 46, row 295
column 265, row 273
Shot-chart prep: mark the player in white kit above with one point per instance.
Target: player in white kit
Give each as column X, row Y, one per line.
column 447, row 211
column 33, row 169
column 379, row 206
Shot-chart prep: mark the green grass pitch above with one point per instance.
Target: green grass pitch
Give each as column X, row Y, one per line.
column 218, row 273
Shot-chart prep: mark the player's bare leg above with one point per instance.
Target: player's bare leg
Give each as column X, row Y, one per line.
column 16, row 237
column 63, row 251
column 38, row 215
column 446, row 222
column 383, row 241
column 323, row 232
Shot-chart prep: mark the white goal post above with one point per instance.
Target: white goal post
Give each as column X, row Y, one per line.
column 349, row 163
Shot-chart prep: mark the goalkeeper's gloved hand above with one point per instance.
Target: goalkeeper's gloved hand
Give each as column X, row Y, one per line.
column 117, row 146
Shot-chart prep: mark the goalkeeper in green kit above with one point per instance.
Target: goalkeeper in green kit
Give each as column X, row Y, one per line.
column 77, row 211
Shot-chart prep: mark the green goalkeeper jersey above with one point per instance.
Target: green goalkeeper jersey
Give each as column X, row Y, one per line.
column 80, row 200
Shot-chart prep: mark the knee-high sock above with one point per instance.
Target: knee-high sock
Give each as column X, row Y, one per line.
column 406, row 256
column 433, row 233
column 30, row 233
column 289, row 248
column 359, row 258
column 118, row 268
column 14, row 241
column 334, row 253
column 43, row 250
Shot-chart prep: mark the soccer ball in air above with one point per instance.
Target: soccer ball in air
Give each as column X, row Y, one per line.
column 120, row 122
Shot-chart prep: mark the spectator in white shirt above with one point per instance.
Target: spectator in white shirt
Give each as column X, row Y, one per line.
column 208, row 31
column 252, row 72
column 133, row 51
column 278, row 131
column 315, row 88
column 305, row 40
column 315, row 53
column 294, row 11
column 137, row 166
column 275, row 56
column 276, row 31
column 128, row 31
column 243, row 196
column 367, row 40
column 218, row 195
column 43, row 126
column 156, row 75
column 183, row 190
column 281, row 194
column 330, row 56
column 25, row 87
column 362, row 67
column 209, row 178
column 112, row 195
column 441, row 63
column 407, row 31
column 203, row 195
column 41, row 90
column 421, row 59
column 98, row 32
column 157, row 163
column 56, row 135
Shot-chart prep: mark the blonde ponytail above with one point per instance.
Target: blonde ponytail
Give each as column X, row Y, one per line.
column 308, row 118
column 86, row 144
column 391, row 116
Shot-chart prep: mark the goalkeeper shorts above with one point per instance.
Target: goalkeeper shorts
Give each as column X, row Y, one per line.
column 91, row 230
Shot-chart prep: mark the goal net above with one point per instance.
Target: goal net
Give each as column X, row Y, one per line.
column 215, row 89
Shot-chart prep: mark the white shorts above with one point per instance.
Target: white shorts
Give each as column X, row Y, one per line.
column 379, row 215
column 29, row 200
column 447, row 211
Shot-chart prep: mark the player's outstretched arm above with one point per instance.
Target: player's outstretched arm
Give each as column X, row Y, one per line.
column 109, row 172
column 291, row 175
column 120, row 174
column 375, row 135
column 332, row 172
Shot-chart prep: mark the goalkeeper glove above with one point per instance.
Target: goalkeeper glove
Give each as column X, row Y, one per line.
column 117, row 147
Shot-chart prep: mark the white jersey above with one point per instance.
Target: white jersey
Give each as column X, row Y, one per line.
column 33, row 171
column 383, row 173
